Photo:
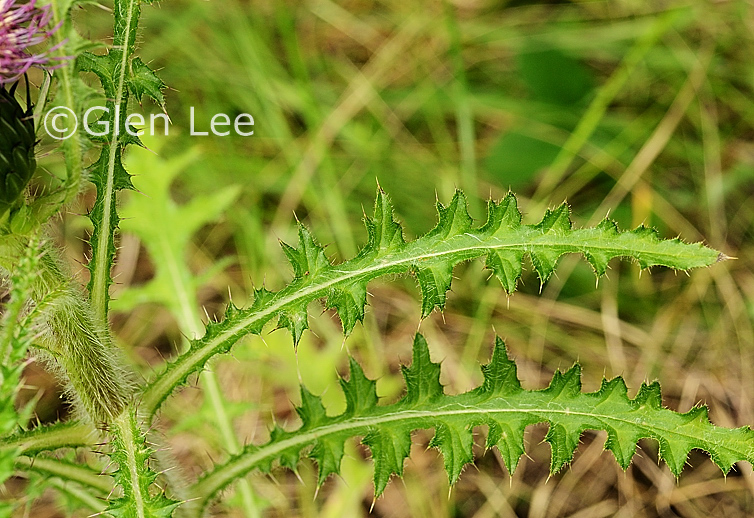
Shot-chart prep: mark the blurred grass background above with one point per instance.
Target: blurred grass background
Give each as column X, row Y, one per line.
column 639, row 109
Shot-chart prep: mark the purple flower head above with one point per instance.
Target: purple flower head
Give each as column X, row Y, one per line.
column 22, row 25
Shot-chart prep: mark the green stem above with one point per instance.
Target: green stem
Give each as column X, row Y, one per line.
column 102, row 248
column 124, row 428
column 48, row 438
column 83, row 475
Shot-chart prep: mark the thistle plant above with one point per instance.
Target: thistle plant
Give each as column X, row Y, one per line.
column 49, row 318
column 22, row 26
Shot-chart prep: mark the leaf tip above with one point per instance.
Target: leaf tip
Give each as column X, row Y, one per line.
column 723, row 257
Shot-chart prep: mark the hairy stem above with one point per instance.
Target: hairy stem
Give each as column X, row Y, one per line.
column 97, row 380
column 103, row 248
column 50, row 437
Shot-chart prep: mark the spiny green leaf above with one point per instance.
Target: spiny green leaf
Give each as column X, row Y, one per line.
column 309, row 258
column 328, row 453
column 422, row 377
column 384, row 233
column 434, row 279
column 507, row 436
column 503, row 240
column 295, row 320
column 311, row 411
column 360, row 391
column 500, row 376
column 144, row 81
column 349, row 302
column 456, row 448
column 503, row 407
column 390, row 448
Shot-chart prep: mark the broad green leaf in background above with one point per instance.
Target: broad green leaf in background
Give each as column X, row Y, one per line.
column 165, row 227
column 554, row 77
column 516, row 158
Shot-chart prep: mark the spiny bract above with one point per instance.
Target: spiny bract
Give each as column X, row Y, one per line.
column 17, row 163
